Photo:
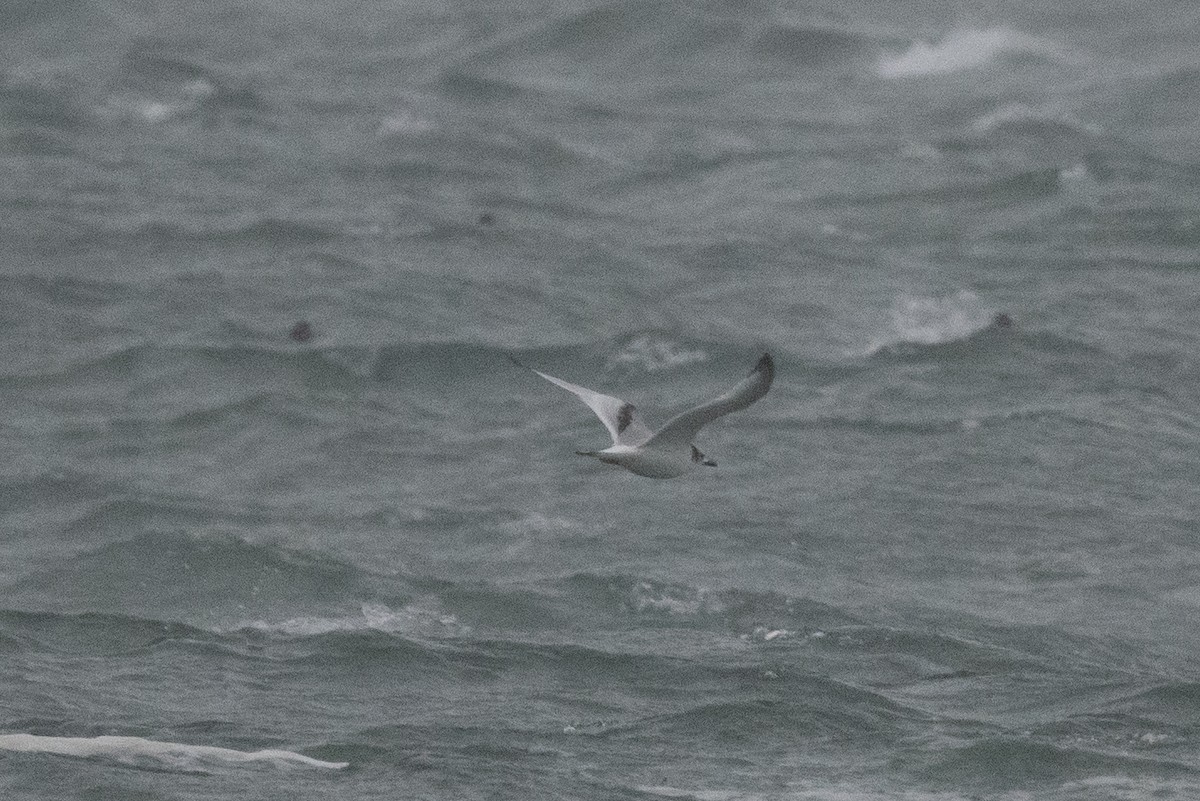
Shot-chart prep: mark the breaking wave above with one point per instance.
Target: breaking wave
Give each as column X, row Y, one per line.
column 140, row 751
column 961, row 50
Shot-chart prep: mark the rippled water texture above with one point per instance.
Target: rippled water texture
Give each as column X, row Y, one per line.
column 281, row 519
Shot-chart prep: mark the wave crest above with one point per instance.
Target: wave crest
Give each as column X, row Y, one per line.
column 652, row 352
column 422, row 619
column 925, row 320
column 178, row 756
column 960, row 50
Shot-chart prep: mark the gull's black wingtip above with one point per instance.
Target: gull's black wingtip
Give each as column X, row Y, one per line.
column 765, row 364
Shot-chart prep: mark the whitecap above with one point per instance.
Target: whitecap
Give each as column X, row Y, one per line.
column 423, row 618
column 924, row 320
column 180, row 756
column 536, row 522
column 652, row 353
column 666, row 791
column 155, row 110
column 1024, row 113
column 958, row 50
column 648, row 596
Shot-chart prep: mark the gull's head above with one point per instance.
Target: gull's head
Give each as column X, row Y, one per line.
column 698, row 458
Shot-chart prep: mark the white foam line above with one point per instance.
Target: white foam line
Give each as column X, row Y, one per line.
column 959, row 50
column 132, row 747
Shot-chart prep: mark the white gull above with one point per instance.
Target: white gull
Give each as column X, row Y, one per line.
column 667, row 452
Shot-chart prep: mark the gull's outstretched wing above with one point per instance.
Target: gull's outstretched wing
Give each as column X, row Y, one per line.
column 618, row 416
column 682, row 428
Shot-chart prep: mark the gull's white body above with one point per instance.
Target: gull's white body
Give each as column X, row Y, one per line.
column 667, row 452
column 649, row 462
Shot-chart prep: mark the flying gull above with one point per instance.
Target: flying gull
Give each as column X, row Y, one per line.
column 667, row 452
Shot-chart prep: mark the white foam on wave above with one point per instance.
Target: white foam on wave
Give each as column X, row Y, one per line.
column 1020, row 113
column 423, row 618
column 821, row 794
column 959, row 50
column 155, row 110
column 923, row 320
column 766, row 633
column 666, row 791
column 646, row 596
column 179, row 756
column 652, row 353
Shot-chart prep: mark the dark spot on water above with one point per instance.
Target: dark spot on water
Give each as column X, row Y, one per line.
column 487, row 219
column 301, row 332
column 1002, row 320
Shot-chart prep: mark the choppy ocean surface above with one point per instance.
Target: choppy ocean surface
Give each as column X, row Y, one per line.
column 944, row 559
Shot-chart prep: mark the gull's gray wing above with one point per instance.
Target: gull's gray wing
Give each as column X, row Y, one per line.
column 619, row 417
column 682, row 428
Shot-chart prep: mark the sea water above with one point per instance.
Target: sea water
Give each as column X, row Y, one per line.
column 280, row 519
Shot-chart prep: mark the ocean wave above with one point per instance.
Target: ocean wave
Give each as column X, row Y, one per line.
column 41, row 106
column 40, row 120
column 846, row 790
column 933, row 320
column 652, row 352
column 147, row 60
column 462, row 85
column 420, row 634
column 436, row 364
column 141, row 752
column 406, row 123
column 424, row 618
column 217, row 418
column 811, row 45
column 257, row 375
column 696, row 38
column 195, row 578
column 962, row 49
column 779, row 701
column 19, row 14
column 38, row 487
column 1009, row 763
column 936, row 655
column 993, row 191
column 92, row 633
column 964, row 325
column 615, row 33
column 135, row 363
column 1164, row 99
column 1175, row 704
column 165, row 86
column 667, row 791
column 1046, row 122
column 886, row 425
column 67, row 292
column 250, row 230
column 736, row 610
column 158, row 110
column 449, row 362
column 925, row 421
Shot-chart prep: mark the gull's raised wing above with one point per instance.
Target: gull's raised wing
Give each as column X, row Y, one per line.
column 682, row 428
column 619, row 417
